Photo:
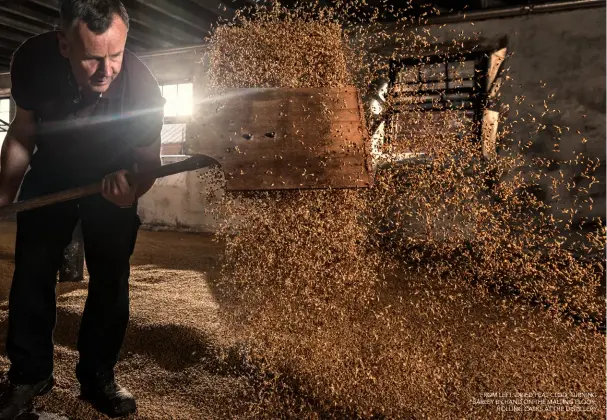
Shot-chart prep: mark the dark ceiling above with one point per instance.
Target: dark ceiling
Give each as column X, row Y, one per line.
column 159, row 24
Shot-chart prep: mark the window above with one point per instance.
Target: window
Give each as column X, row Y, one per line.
column 426, row 98
column 172, row 139
column 5, row 107
column 178, row 106
column 179, row 99
column 434, row 84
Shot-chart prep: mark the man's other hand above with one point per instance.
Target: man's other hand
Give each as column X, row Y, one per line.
column 116, row 189
column 4, row 198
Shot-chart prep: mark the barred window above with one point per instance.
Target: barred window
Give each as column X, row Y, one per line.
column 5, row 106
column 458, row 92
column 172, row 139
column 435, row 84
column 179, row 99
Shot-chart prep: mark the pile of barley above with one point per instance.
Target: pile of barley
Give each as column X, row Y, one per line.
column 382, row 301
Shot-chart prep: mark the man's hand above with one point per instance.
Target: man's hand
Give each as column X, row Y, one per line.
column 116, row 189
column 5, row 200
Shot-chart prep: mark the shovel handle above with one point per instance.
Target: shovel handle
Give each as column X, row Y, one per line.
column 189, row 164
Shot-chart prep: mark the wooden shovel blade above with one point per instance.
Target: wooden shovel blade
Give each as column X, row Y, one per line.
column 275, row 138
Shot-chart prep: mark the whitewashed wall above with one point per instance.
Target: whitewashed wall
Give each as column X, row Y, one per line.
column 177, row 202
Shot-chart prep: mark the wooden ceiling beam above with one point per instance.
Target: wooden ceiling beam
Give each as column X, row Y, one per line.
column 10, row 34
column 181, row 13
column 139, row 41
column 172, row 34
column 144, row 35
column 11, row 21
column 134, row 46
column 217, row 8
column 162, row 34
column 27, row 14
column 9, row 45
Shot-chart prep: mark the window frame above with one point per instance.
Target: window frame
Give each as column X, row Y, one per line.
column 6, row 98
column 182, row 144
column 4, row 125
column 177, row 119
column 477, row 92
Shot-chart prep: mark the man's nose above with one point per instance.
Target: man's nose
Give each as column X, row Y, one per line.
column 105, row 67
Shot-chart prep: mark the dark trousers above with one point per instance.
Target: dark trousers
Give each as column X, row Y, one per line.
column 109, row 234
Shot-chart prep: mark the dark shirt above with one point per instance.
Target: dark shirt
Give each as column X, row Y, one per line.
column 77, row 141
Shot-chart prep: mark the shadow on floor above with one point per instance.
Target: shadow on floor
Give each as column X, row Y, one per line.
column 176, row 348
column 173, row 347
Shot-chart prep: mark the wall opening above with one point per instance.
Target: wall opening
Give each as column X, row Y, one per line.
column 172, row 139
column 179, row 100
column 426, row 95
column 5, row 115
column 177, row 110
column 434, row 84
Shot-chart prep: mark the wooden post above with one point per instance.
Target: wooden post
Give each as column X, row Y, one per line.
column 490, row 119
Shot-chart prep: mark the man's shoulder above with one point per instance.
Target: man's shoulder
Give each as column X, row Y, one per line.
column 140, row 80
column 34, row 67
column 145, row 99
column 37, row 48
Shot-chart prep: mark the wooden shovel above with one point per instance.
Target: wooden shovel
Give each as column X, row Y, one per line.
column 189, row 164
column 282, row 139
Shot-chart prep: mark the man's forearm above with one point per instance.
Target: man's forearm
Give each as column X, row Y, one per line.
column 146, row 184
column 147, row 158
column 15, row 155
column 14, row 161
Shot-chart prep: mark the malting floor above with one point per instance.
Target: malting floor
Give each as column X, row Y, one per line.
column 173, row 322
column 170, row 363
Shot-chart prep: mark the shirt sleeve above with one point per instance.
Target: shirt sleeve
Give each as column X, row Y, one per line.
column 148, row 109
column 149, row 125
column 24, row 82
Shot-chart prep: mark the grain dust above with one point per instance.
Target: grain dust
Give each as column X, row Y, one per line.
column 448, row 278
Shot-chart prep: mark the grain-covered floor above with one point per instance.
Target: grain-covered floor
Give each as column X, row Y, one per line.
column 171, row 363
column 167, row 361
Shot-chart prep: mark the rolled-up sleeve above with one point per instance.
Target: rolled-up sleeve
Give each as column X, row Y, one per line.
column 24, row 82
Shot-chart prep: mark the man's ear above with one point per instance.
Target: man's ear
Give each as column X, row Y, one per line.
column 64, row 46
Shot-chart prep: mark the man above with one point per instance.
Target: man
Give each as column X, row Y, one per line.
column 86, row 108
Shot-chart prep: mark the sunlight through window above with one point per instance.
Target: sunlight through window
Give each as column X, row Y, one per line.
column 179, row 99
column 5, row 106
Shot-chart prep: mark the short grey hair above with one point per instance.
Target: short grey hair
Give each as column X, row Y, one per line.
column 96, row 14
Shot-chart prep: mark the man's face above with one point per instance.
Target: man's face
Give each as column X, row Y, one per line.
column 96, row 60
